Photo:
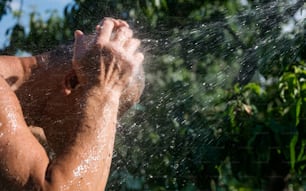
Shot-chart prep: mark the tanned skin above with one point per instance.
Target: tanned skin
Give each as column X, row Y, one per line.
column 77, row 104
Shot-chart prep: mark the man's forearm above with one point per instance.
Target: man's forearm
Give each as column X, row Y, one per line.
column 88, row 159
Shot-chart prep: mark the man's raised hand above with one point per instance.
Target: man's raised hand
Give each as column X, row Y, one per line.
column 111, row 59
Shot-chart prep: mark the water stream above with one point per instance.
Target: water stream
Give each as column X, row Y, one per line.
column 177, row 130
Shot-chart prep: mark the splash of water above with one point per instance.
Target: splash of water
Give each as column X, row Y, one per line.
column 241, row 45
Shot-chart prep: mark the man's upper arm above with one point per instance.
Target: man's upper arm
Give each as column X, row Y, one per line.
column 15, row 70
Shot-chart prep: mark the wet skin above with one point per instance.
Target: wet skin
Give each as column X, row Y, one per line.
column 76, row 103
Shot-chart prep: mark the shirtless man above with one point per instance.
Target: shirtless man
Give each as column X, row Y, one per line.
column 76, row 104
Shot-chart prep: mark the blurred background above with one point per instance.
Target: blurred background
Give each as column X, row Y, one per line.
column 225, row 101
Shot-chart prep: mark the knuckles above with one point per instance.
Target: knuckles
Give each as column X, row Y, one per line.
column 116, row 37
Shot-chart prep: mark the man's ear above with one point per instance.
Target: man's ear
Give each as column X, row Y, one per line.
column 70, row 82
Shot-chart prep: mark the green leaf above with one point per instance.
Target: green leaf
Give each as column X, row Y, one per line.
column 298, row 111
column 292, row 151
column 254, row 88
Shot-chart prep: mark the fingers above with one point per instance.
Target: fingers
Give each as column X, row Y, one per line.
column 104, row 32
column 131, row 45
column 117, row 35
column 119, row 22
column 112, row 57
column 131, row 48
column 79, row 45
column 122, row 35
column 110, row 27
column 139, row 57
column 112, row 33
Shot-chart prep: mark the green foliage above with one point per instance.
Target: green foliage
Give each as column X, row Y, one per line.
column 4, row 8
column 268, row 125
column 194, row 129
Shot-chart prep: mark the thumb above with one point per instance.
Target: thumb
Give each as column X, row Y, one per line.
column 79, row 45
